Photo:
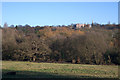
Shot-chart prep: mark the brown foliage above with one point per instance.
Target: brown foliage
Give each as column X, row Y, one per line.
column 61, row 44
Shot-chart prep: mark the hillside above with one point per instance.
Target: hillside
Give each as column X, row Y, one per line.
column 61, row 44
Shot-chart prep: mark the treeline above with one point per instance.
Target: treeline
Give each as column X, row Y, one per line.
column 60, row 44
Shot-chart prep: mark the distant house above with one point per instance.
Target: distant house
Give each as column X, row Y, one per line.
column 78, row 26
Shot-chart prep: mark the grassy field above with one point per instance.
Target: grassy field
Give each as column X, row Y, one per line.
column 57, row 70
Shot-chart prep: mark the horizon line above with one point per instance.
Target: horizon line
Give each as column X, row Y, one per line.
column 56, row 24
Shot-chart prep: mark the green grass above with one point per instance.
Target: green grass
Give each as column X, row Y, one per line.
column 57, row 70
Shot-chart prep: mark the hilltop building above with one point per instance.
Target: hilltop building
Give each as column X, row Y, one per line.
column 78, row 26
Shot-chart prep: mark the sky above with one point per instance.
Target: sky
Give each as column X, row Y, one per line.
column 58, row 13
